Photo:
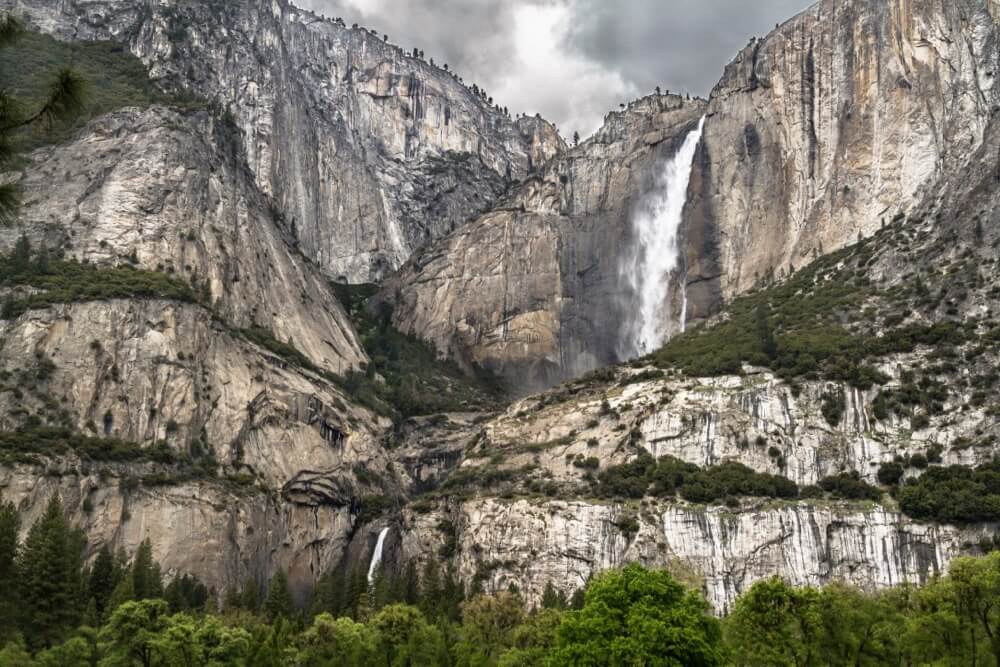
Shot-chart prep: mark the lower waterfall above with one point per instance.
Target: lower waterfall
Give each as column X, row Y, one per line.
column 377, row 555
column 655, row 226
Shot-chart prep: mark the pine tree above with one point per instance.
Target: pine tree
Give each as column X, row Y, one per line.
column 411, row 584
column 103, row 579
column 357, row 586
column 430, row 590
column 453, row 594
column 765, row 337
column 20, row 256
column 279, row 600
column 186, row 593
column 10, row 525
column 328, row 594
column 232, row 600
column 124, row 591
column 65, row 99
column 250, row 597
column 146, row 581
column 381, row 590
column 50, row 576
column 552, row 598
column 91, row 618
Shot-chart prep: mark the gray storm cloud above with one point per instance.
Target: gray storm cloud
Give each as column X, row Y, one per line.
column 572, row 60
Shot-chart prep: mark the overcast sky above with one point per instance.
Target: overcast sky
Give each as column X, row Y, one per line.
column 572, row 60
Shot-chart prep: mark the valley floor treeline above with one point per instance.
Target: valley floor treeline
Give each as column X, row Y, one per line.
column 57, row 611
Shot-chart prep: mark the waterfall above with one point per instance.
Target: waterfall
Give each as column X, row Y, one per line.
column 377, row 555
column 655, row 226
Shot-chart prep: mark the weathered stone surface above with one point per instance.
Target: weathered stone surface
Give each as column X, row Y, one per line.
column 840, row 118
column 167, row 191
column 755, row 420
column 532, row 543
column 167, row 371
column 221, row 535
column 346, row 132
column 534, row 289
column 359, row 154
column 509, row 535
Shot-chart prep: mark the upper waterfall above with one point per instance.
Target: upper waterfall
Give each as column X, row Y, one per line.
column 377, row 555
column 656, row 227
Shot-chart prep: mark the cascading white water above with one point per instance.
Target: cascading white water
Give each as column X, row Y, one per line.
column 655, row 226
column 376, row 555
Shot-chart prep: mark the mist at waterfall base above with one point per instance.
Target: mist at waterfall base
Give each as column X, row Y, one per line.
column 650, row 271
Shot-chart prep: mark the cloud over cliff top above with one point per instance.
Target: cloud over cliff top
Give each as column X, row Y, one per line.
column 571, row 60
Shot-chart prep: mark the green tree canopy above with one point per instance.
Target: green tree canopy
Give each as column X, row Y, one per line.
column 634, row 616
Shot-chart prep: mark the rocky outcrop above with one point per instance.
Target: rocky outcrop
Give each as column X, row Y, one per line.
column 756, row 420
column 148, row 371
column 529, row 544
column 367, row 151
column 517, row 506
column 837, row 121
column 162, row 372
column 534, row 290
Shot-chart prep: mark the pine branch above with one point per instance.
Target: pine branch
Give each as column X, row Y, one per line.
column 11, row 30
column 67, row 99
column 10, row 200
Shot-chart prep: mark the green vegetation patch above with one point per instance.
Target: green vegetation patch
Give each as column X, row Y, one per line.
column 818, row 324
column 669, row 477
column 954, row 494
column 68, row 281
column 416, row 381
column 115, row 79
column 28, row 445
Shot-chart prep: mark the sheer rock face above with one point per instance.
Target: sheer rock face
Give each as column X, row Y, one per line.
column 534, row 290
column 223, row 536
column 845, row 116
column 531, row 543
column 148, row 371
column 166, row 191
column 839, row 119
column 367, row 151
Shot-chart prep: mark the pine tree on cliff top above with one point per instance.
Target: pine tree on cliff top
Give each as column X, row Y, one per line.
column 64, row 98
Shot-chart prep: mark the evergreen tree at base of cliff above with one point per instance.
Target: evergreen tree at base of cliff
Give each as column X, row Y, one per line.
column 10, row 524
column 104, row 578
column 278, row 603
column 147, row 582
column 50, row 576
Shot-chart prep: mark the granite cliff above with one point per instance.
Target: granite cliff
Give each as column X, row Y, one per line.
column 534, row 290
column 817, row 134
column 367, row 150
column 233, row 423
